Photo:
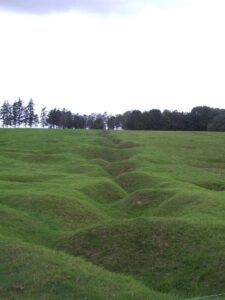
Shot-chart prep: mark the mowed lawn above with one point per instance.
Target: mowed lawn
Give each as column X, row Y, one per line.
column 94, row 215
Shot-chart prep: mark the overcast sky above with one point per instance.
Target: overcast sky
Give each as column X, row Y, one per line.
column 113, row 55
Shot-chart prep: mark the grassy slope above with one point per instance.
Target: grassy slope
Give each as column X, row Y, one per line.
column 149, row 205
column 34, row 272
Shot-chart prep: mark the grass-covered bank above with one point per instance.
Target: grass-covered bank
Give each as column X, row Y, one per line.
column 111, row 215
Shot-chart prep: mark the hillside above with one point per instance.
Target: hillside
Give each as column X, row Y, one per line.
column 111, row 215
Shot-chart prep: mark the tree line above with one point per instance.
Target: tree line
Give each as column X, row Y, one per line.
column 17, row 114
column 201, row 118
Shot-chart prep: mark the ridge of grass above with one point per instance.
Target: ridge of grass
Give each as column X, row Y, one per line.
column 34, row 272
column 166, row 254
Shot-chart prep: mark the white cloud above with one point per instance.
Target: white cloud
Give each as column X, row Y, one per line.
column 99, row 6
column 165, row 58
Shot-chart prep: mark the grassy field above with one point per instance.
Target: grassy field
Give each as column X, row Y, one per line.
column 111, row 215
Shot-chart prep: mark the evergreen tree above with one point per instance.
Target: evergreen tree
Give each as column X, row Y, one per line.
column 36, row 120
column 6, row 114
column 29, row 115
column 18, row 113
column 43, row 117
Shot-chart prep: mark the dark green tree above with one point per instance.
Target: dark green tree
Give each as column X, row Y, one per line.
column 97, row 121
column 218, row 123
column 18, row 113
column 43, row 117
column 53, row 118
column 30, row 118
column 202, row 116
column 118, row 121
column 111, row 122
column 6, row 114
column 174, row 120
column 132, row 120
column 79, row 122
column 66, row 119
column 155, row 119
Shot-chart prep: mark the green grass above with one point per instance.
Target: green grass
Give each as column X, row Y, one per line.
column 111, row 215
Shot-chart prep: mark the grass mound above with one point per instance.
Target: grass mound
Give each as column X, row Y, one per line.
column 42, row 158
column 168, row 255
column 18, row 224
column 144, row 201
column 137, row 180
column 29, row 272
column 109, row 154
column 65, row 212
column 193, row 204
column 87, row 169
column 27, row 178
column 101, row 162
column 105, row 191
column 213, row 186
column 121, row 167
column 127, row 145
